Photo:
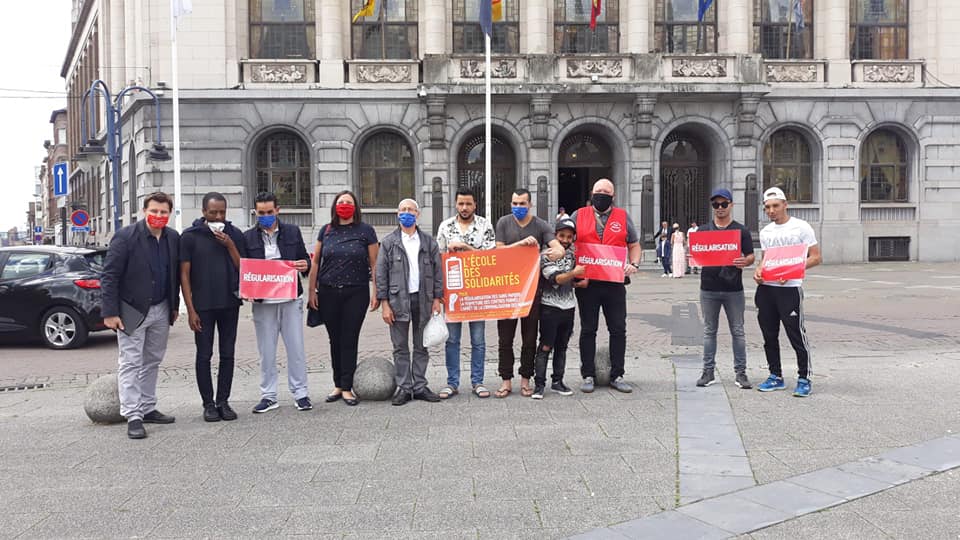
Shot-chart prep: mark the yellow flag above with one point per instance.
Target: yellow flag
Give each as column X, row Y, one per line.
column 366, row 10
column 497, row 10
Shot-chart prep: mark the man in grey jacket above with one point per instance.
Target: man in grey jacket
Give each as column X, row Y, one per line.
column 410, row 290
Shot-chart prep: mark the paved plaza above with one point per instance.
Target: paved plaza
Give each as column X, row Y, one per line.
column 873, row 453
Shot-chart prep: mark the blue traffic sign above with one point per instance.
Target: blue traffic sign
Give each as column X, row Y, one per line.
column 60, row 179
column 80, row 218
column 38, row 229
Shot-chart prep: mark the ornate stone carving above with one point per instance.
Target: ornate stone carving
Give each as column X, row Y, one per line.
column 699, row 67
column 643, row 119
column 800, row 73
column 895, row 73
column 539, row 119
column 746, row 115
column 278, row 73
column 383, row 73
column 504, row 68
column 437, row 120
column 607, row 68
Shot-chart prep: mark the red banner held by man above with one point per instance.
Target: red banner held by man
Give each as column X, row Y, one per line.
column 714, row 248
column 490, row 284
column 784, row 262
column 268, row 279
column 602, row 262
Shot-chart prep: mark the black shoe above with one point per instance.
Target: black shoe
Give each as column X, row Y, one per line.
column 401, row 397
column 427, row 395
column 303, row 404
column 226, row 411
column 351, row 402
column 210, row 413
column 135, row 429
column 333, row 397
column 157, row 417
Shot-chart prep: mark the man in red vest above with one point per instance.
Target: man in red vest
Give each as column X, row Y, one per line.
column 603, row 223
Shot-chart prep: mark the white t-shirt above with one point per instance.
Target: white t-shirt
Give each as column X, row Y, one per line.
column 411, row 245
column 794, row 231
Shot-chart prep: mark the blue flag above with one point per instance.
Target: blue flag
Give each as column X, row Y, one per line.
column 704, row 5
column 486, row 17
column 798, row 15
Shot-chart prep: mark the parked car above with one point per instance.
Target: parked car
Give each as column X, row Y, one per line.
column 52, row 293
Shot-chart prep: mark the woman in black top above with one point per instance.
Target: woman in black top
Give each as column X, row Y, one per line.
column 344, row 258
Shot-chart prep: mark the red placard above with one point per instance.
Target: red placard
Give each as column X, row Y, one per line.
column 784, row 262
column 490, row 284
column 268, row 279
column 602, row 262
column 714, row 248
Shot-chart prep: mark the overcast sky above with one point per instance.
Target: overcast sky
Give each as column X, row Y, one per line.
column 33, row 42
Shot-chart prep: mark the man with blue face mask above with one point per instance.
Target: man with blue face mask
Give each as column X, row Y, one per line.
column 410, row 290
column 522, row 228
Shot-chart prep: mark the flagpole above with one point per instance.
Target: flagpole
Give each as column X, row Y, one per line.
column 177, row 191
column 488, row 136
column 789, row 27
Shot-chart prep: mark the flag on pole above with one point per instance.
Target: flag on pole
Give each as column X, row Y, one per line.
column 594, row 13
column 486, row 17
column 798, row 15
column 703, row 6
column 366, row 11
column 182, row 7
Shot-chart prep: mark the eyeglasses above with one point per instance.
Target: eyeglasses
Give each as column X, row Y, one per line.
column 717, row 205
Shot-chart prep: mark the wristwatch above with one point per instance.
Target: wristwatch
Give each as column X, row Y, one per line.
column 635, row 265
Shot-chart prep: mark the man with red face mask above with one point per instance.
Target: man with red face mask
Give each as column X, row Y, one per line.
column 140, row 295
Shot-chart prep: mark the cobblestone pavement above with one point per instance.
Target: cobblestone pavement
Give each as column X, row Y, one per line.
column 886, row 345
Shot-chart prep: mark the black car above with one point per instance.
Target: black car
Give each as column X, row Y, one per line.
column 51, row 292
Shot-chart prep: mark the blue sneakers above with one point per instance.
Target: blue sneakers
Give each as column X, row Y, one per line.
column 772, row 383
column 803, row 388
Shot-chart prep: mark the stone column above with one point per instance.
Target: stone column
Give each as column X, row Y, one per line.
column 836, row 27
column 433, row 27
column 332, row 24
column 535, row 24
column 737, row 25
column 636, row 15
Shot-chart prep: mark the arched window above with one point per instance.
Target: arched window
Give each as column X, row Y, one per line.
column 467, row 36
column 783, row 29
column 571, row 27
column 878, row 29
column 680, row 27
column 470, row 169
column 388, row 33
column 386, row 171
column 883, row 168
column 787, row 165
column 283, row 167
column 282, row 29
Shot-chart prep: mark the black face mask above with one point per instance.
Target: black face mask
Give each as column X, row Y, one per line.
column 601, row 201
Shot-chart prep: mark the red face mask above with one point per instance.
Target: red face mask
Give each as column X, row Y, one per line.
column 345, row 211
column 157, row 222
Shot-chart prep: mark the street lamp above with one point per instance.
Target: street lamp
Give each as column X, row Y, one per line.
column 109, row 145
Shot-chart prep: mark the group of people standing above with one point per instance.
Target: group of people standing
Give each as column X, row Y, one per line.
column 406, row 272
column 671, row 249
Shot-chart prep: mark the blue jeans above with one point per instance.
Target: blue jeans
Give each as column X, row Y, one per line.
column 733, row 305
column 478, row 348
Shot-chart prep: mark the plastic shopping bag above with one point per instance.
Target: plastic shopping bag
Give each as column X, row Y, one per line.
column 435, row 333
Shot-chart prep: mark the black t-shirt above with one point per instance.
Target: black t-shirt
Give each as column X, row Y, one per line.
column 725, row 278
column 213, row 277
column 345, row 261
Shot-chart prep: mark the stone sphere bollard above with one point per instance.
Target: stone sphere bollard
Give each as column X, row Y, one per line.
column 602, row 361
column 102, row 403
column 374, row 379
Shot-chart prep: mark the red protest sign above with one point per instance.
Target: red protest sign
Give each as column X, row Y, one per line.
column 714, row 248
column 784, row 262
column 602, row 262
column 490, row 284
column 268, row 279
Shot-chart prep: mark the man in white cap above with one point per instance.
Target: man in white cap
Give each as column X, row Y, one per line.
column 782, row 301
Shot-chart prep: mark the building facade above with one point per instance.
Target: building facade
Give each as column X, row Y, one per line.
column 848, row 105
column 57, row 152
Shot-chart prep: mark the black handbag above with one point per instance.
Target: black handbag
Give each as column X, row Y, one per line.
column 313, row 318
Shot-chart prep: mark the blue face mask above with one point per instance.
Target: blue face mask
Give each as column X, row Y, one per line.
column 519, row 212
column 267, row 221
column 407, row 219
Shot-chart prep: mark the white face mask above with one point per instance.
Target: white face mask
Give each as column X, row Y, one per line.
column 216, row 226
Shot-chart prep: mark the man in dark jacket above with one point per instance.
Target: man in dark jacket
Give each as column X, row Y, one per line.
column 210, row 254
column 272, row 319
column 141, row 298
column 410, row 290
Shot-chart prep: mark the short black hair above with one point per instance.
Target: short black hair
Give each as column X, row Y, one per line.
column 160, row 197
column 466, row 192
column 266, row 196
column 213, row 196
column 524, row 191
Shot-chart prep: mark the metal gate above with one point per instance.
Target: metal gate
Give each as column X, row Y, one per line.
column 504, row 181
column 684, row 166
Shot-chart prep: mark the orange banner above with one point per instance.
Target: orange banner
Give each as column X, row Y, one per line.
column 491, row 284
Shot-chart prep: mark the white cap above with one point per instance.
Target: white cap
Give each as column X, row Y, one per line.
column 774, row 193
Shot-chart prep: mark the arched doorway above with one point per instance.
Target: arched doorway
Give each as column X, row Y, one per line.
column 584, row 159
column 684, row 170
column 470, row 171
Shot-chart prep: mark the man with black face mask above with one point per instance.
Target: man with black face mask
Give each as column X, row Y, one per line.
column 603, row 223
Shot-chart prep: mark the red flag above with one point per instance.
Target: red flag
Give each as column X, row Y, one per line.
column 594, row 13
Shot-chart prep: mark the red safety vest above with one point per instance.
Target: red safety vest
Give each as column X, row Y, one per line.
column 614, row 234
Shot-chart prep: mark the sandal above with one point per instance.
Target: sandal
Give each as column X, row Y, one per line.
column 481, row 391
column 448, row 392
column 503, row 392
column 526, row 391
